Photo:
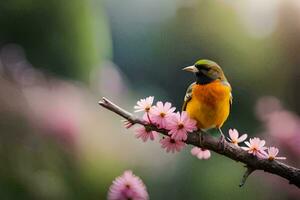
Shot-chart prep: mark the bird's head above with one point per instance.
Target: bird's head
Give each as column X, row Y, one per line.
column 206, row 71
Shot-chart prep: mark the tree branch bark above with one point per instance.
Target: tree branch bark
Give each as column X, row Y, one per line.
column 229, row 150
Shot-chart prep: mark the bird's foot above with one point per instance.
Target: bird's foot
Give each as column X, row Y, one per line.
column 201, row 135
column 201, row 139
column 221, row 143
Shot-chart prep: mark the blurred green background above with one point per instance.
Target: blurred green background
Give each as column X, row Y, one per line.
column 58, row 58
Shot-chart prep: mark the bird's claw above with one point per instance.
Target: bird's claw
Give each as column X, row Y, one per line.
column 201, row 139
column 221, row 144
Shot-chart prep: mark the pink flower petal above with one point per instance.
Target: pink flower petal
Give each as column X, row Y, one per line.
column 195, row 151
column 242, row 138
column 206, row 154
column 201, row 153
column 272, row 154
column 245, row 148
column 248, row 143
column 142, row 133
column 233, row 133
column 127, row 186
column 171, row 144
column 178, row 127
column 255, row 146
column 162, row 114
column 144, row 104
column 280, row 158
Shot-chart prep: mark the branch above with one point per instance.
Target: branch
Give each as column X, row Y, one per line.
column 229, row 150
column 245, row 176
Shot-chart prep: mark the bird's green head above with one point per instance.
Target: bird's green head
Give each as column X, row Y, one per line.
column 206, row 71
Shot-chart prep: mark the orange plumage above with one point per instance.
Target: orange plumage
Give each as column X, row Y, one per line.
column 209, row 104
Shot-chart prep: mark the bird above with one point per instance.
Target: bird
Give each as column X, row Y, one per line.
column 208, row 100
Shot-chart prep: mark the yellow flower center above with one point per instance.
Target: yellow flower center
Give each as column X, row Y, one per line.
column 162, row 114
column 254, row 149
column 271, row 158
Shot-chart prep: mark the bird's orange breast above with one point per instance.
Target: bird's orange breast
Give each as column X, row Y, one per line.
column 210, row 104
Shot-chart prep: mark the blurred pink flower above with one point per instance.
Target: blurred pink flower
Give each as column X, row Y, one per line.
column 171, row 145
column 180, row 125
column 272, row 153
column 266, row 106
column 142, row 133
column 146, row 118
column 234, row 137
column 144, row 104
column 255, row 146
column 101, row 76
column 60, row 113
column 161, row 113
column 127, row 186
column 283, row 124
column 200, row 153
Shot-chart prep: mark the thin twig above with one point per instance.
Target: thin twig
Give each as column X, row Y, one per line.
column 231, row 151
column 245, row 176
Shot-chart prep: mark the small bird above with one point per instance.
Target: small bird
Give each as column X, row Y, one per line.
column 209, row 99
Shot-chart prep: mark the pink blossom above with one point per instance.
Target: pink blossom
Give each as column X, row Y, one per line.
column 161, row 113
column 127, row 124
column 272, row 153
column 144, row 105
column 234, row 137
column 127, row 186
column 267, row 105
column 284, row 126
column 255, row 146
column 200, row 153
column 180, row 125
column 171, row 145
column 142, row 133
column 146, row 118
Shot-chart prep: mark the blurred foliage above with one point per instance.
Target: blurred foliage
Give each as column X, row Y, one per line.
column 66, row 38
column 55, row 143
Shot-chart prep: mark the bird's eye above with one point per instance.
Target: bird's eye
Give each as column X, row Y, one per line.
column 203, row 67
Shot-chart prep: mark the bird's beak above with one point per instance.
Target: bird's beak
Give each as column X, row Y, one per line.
column 191, row 69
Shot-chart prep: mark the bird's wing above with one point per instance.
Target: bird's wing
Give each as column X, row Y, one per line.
column 188, row 96
column 231, row 98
